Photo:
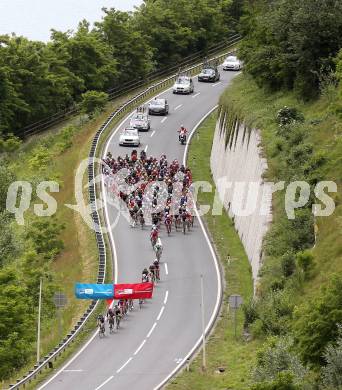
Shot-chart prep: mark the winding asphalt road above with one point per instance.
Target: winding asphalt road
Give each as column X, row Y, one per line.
column 154, row 342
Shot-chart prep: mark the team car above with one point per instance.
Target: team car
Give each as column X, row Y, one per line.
column 232, row 63
column 183, row 84
column 140, row 120
column 129, row 137
column 158, row 107
column 209, row 73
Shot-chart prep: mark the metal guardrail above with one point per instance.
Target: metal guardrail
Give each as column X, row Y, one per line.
column 134, row 101
column 52, row 120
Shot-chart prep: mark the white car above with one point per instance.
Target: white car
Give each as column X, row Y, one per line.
column 183, row 84
column 140, row 121
column 232, row 63
column 129, row 136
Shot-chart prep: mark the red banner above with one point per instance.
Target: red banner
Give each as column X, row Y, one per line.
column 133, row 291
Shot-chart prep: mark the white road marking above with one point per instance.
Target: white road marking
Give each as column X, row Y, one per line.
column 179, row 106
column 146, row 148
column 141, row 345
column 214, row 85
column 198, row 93
column 178, row 360
column 166, row 296
column 152, row 134
column 160, row 313
column 166, row 270
column 124, row 365
column 152, row 329
column 163, row 120
column 105, row 382
column 72, row 370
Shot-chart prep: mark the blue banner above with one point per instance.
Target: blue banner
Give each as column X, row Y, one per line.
column 94, row 291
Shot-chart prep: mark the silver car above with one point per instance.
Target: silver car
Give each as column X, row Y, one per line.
column 129, row 137
column 183, row 84
column 232, row 63
column 158, row 107
column 140, row 121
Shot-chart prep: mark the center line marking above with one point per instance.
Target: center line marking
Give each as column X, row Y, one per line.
column 198, row 93
column 166, row 270
column 153, row 133
column 214, row 85
column 124, row 365
column 166, row 296
column 160, row 313
column 141, row 345
column 163, row 120
column 152, row 329
column 176, row 108
column 105, row 382
column 146, row 148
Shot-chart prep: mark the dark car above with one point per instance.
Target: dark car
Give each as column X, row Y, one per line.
column 158, row 107
column 209, row 73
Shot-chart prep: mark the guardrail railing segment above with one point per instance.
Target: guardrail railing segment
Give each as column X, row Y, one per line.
column 48, row 360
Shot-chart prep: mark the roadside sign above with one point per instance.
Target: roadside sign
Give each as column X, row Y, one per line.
column 59, row 299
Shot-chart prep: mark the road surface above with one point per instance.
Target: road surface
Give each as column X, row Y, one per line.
column 154, row 342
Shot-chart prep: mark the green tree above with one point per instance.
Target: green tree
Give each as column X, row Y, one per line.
column 127, row 44
column 93, row 101
column 317, row 322
column 290, row 43
column 16, row 323
column 332, row 371
column 284, row 381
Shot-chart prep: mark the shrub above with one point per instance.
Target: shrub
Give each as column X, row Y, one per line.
column 288, row 115
column 288, row 264
column 276, row 357
column 332, row 372
column 93, row 101
column 316, row 325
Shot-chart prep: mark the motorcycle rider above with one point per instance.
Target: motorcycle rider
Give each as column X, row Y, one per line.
column 182, row 132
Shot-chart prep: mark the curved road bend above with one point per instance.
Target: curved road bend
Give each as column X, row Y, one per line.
column 154, row 341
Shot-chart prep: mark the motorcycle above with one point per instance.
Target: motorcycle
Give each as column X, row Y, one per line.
column 182, row 139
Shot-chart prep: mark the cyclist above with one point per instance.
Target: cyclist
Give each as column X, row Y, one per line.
column 156, row 269
column 154, row 236
column 117, row 313
column 101, row 323
column 152, row 269
column 145, row 276
column 158, row 248
column 168, row 223
column 110, row 316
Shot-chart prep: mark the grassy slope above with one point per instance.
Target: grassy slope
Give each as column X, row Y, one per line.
column 235, row 355
column 259, row 109
column 79, row 259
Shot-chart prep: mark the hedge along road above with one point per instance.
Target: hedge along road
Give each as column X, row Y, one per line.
column 153, row 343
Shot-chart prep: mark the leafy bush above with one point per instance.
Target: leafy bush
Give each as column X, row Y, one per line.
column 288, row 264
column 40, row 158
column 305, row 262
column 283, row 381
column 276, row 357
column 317, row 322
column 288, row 115
column 93, row 101
column 332, row 372
column 65, row 138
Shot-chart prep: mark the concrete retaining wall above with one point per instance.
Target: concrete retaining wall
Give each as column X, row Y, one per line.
column 240, row 163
